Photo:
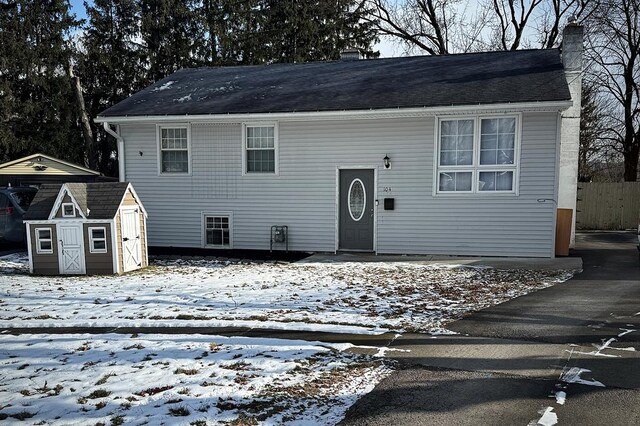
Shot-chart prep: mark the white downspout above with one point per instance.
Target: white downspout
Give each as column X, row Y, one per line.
column 108, row 129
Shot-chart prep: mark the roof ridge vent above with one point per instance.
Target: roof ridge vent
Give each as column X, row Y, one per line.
column 350, row 54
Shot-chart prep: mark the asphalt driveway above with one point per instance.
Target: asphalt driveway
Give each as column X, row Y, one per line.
column 565, row 354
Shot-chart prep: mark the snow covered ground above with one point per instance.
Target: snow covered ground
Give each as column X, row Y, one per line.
column 195, row 379
column 340, row 297
column 117, row 379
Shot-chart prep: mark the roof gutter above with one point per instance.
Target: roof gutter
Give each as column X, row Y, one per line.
column 346, row 114
column 120, row 140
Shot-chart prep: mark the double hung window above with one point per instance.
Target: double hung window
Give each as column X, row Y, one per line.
column 261, row 149
column 477, row 155
column 174, row 150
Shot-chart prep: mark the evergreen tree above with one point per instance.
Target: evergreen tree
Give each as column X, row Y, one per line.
column 37, row 108
column 171, row 34
column 317, row 30
column 110, row 66
column 233, row 32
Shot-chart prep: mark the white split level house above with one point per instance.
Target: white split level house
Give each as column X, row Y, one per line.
column 467, row 154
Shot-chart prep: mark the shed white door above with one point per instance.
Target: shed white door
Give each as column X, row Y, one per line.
column 131, row 249
column 71, row 249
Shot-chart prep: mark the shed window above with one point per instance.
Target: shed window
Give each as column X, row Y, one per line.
column 217, row 231
column 261, row 146
column 68, row 210
column 44, row 241
column 174, row 150
column 98, row 239
column 477, row 155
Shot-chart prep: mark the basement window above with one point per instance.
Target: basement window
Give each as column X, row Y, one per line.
column 217, row 231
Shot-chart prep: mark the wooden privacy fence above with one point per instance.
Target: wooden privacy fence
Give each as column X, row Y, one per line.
column 608, row 206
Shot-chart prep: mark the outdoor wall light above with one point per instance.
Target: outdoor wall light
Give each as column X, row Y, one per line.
column 387, row 162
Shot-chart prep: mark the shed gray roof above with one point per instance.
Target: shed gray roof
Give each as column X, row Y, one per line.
column 96, row 200
column 420, row 81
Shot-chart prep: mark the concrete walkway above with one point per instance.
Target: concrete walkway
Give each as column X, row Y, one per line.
column 505, row 366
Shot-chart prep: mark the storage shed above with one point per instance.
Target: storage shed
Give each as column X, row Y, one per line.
column 86, row 228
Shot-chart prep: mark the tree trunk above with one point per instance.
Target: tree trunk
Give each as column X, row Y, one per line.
column 631, row 163
column 90, row 157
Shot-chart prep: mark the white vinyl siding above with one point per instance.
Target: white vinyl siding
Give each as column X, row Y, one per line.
column 44, row 241
column 304, row 194
column 477, row 155
column 174, row 147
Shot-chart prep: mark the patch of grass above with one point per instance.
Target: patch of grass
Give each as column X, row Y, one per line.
column 104, row 379
column 99, row 393
column 43, row 317
column 153, row 391
column 136, row 346
column 198, row 423
column 22, row 415
column 100, row 405
column 117, row 420
column 184, row 391
column 237, row 366
column 186, row 371
column 85, row 347
column 173, row 401
column 179, row 411
column 244, row 420
column 25, row 392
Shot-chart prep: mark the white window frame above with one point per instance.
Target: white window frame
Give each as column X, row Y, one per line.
column 39, row 249
column 92, row 240
column 159, row 128
column 203, row 221
column 73, row 209
column 276, row 148
column 475, row 168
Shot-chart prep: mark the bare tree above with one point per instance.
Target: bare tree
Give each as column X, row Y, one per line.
column 613, row 49
column 446, row 26
column 421, row 23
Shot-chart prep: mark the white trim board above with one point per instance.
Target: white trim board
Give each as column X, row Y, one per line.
column 344, row 115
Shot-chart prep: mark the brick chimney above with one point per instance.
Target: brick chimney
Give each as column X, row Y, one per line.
column 350, row 54
column 572, row 52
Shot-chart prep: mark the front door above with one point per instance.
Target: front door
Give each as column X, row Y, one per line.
column 356, row 210
column 70, row 249
column 131, row 239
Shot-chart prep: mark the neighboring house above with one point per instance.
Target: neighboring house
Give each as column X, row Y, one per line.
column 455, row 155
column 39, row 169
column 86, row 228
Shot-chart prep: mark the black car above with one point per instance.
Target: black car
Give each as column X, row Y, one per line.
column 14, row 202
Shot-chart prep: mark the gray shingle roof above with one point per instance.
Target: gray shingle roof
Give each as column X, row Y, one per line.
column 100, row 200
column 420, row 81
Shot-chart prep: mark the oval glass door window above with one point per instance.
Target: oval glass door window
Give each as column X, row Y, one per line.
column 357, row 199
